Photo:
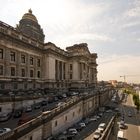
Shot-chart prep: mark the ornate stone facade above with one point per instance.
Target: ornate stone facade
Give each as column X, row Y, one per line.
column 29, row 64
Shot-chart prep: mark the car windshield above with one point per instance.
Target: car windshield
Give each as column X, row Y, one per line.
column 97, row 133
column 101, row 126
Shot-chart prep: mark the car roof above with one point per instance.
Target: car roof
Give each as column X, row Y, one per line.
column 120, row 134
column 102, row 124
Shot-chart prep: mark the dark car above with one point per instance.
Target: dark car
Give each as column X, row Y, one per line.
column 24, row 118
column 43, row 103
column 4, row 116
column 129, row 114
column 18, row 113
column 37, row 106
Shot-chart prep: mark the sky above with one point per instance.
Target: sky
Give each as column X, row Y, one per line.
column 111, row 28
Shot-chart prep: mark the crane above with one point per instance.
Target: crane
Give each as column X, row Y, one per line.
column 124, row 76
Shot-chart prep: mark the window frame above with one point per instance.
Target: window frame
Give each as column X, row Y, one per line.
column 23, row 59
column 31, row 60
column 1, row 70
column 13, row 71
column 1, row 53
column 12, row 56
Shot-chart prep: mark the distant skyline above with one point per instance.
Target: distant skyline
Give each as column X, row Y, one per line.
column 111, row 28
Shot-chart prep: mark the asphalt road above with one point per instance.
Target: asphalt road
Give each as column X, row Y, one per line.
column 105, row 119
column 84, row 134
column 132, row 131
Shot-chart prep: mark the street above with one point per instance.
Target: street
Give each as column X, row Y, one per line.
column 132, row 132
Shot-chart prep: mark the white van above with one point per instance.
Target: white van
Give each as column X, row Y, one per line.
column 120, row 135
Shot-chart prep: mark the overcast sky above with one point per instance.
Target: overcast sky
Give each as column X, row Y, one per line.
column 110, row 27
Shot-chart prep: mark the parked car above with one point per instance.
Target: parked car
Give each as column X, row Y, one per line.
column 4, row 130
column 94, row 118
column 4, row 116
column 24, row 118
column 60, row 104
column 17, row 113
column 43, row 103
column 37, row 106
column 82, row 125
column 108, row 111
column 72, row 131
column 121, row 126
column 129, row 114
column 122, row 122
column 28, row 109
column 120, row 135
column 97, row 134
column 86, row 121
column 101, row 127
column 100, row 114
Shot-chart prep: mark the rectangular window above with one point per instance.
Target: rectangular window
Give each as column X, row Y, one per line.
column 64, row 71
column 31, row 61
column 70, row 66
column 1, row 53
column 66, row 118
column 38, row 74
column 31, row 138
column 2, row 86
column 23, row 58
column 13, row 56
column 71, row 76
column 73, row 114
column 55, row 123
column 38, row 62
column 15, row 86
column 84, row 66
column 1, row 69
column 13, row 71
column 79, row 110
column 31, row 73
column 25, row 85
column 22, row 72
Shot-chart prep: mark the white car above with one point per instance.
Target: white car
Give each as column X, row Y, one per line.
column 120, row 135
column 97, row 134
column 93, row 119
column 72, row 131
column 28, row 109
column 60, row 104
column 101, row 127
column 122, row 122
column 4, row 130
column 82, row 125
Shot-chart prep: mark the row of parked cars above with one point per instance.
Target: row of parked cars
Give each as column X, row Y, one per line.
column 5, row 116
column 73, row 131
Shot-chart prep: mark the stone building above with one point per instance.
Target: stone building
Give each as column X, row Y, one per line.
column 28, row 64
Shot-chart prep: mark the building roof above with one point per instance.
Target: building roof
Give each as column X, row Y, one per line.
column 30, row 16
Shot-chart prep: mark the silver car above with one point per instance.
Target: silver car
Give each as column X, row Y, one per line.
column 4, row 130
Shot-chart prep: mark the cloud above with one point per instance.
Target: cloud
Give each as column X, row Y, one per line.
column 109, row 27
column 134, row 10
column 131, row 24
column 114, row 66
